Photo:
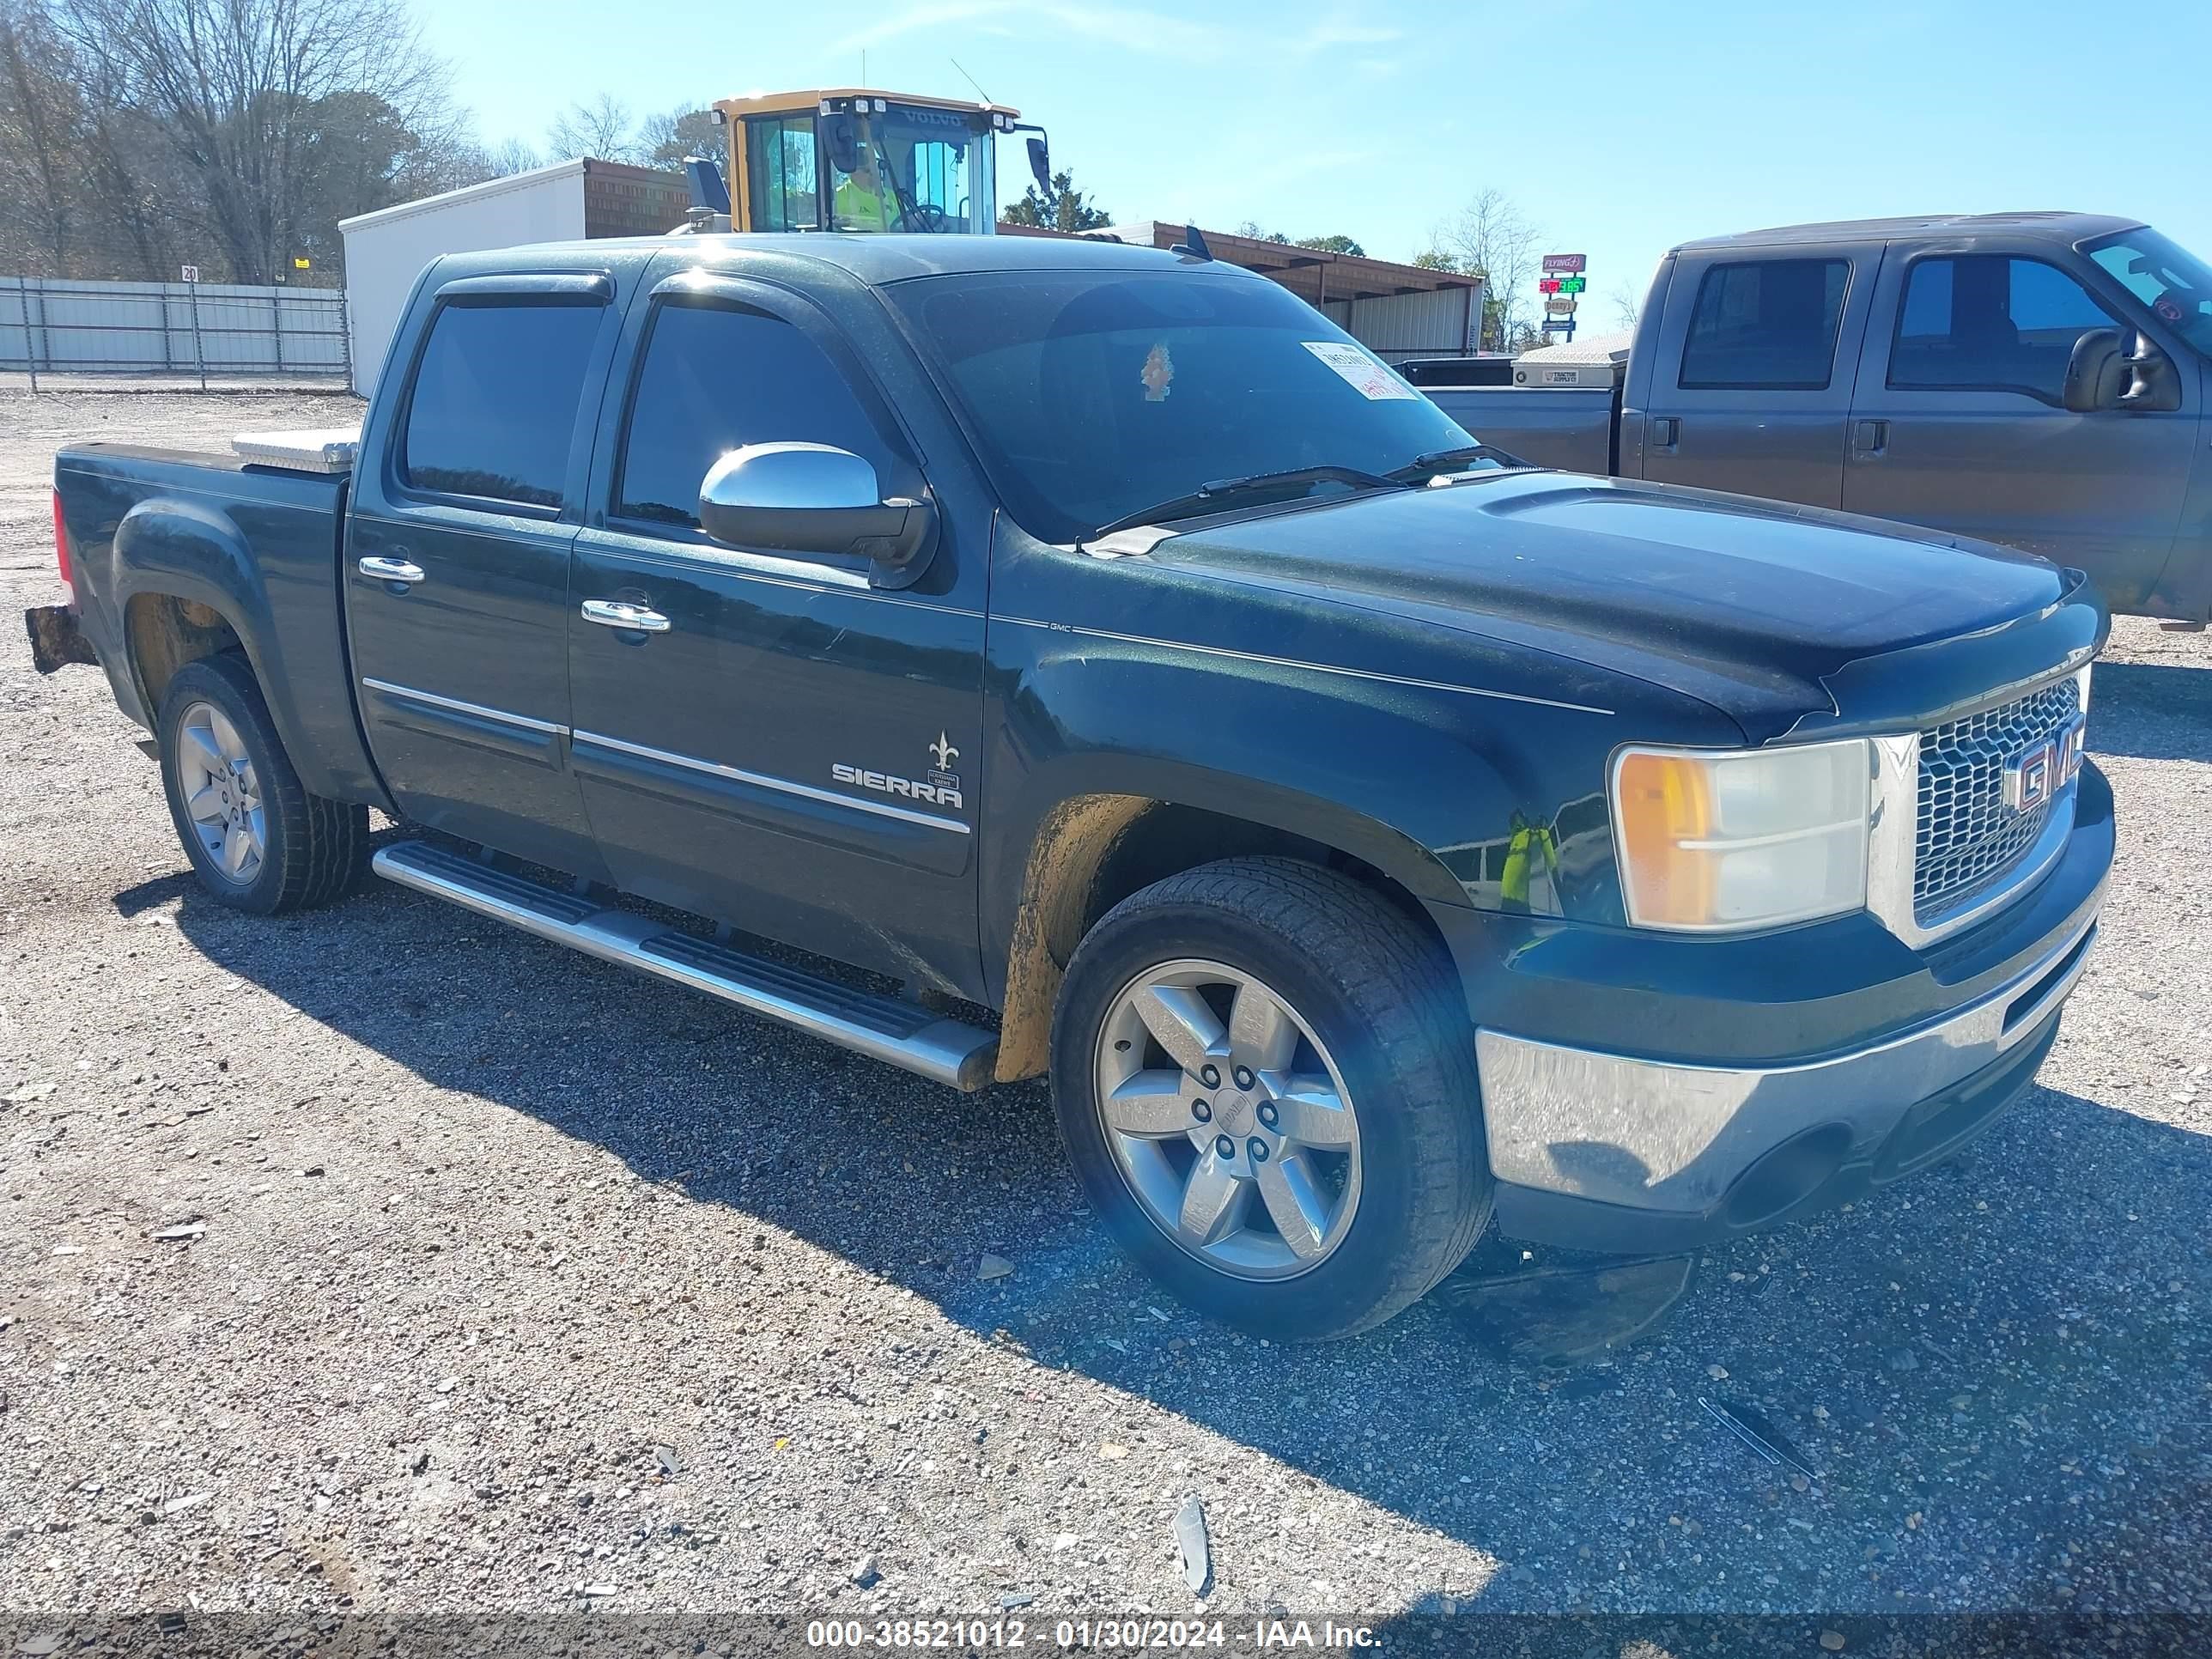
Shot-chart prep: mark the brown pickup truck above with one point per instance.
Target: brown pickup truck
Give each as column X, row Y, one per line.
column 2034, row 378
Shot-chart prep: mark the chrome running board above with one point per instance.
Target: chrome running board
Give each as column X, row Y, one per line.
column 948, row 1051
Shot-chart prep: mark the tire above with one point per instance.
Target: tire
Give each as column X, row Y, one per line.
column 1374, row 1014
column 299, row 850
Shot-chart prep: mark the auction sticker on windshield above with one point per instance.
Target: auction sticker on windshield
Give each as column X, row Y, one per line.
column 1364, row 375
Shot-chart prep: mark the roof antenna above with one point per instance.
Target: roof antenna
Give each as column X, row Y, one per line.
column 1193, row 245
column 970, row 79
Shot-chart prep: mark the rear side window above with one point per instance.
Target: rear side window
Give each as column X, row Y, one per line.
column 1770, row 325
column 495, row 401
column 1985, row 323
column 717, row 378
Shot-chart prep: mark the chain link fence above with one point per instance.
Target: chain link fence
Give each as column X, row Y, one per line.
column 62, row 330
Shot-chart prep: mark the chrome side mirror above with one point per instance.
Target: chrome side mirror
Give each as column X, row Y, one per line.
column 816, row 499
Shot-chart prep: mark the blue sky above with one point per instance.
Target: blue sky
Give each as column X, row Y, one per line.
column 1620, row 128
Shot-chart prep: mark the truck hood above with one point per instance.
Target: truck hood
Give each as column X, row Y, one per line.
column 1785, row 617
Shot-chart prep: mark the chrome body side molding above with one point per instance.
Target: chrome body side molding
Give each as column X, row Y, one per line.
column 762, row 780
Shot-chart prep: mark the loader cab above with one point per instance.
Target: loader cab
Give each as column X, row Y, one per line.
column 856, row 160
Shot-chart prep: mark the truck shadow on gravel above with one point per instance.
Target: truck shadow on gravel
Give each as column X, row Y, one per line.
column 1994, row 1367
column 2151, row 711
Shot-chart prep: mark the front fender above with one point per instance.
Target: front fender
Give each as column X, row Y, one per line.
column 1381, row 784
column 1090, row 732
column 1426, row 784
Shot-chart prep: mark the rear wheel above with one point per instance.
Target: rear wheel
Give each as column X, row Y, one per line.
column 1269, row 1091
column 256, row 839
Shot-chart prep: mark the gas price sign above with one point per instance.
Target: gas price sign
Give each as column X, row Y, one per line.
column 1561, row 282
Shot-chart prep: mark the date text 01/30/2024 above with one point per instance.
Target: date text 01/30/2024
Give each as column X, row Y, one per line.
column 1086, row 1634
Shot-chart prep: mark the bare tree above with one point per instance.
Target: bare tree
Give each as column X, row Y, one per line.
column 1492, row 238
column 244, row 90
column 1627, row 304
column 39, row 118
column 601, row 128
column 510, row 157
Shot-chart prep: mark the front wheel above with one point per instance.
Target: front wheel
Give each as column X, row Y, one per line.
column 256, row 839
column 1268, row 1092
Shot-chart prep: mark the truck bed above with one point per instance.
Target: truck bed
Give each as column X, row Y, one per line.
column 1570, row 427
column 175, row 531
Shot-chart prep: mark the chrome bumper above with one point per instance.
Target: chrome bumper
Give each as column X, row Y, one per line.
column 1664, row 1137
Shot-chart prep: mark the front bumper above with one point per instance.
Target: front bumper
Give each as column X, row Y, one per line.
column 1748, row 1081
column 1608, row 1151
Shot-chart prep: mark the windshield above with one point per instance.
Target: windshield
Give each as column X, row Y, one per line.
column 2172, row 280
column 1092, row 395
column 909, row 168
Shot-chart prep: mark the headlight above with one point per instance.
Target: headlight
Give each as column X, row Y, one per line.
column 1717, row 841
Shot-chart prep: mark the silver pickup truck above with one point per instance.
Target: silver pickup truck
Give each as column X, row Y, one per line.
column 2035, row 379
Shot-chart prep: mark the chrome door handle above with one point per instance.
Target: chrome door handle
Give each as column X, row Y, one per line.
column 618, row 613
column 392, row 570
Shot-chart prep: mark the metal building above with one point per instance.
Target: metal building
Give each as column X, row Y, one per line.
column 1395, row 311
column 385, row 250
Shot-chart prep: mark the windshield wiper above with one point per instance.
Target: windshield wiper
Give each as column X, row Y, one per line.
column 1445, row 460
column 1216, row 496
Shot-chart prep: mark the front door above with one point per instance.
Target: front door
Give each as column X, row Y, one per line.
column 782, row 745
column 1958, row 423
column 1752, row 381
column 457, row 565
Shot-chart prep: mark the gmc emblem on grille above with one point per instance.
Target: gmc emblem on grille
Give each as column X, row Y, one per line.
column 2031, row 779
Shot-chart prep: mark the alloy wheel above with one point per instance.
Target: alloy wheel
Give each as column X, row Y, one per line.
column 221, row 796
column 1229, row 1118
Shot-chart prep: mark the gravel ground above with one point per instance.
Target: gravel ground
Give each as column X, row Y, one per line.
column 486, row 1223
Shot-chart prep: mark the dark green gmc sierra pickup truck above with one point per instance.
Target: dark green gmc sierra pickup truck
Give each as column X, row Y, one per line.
column 1098, row 666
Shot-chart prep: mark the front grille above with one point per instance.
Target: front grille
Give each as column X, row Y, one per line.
column 1967, row 839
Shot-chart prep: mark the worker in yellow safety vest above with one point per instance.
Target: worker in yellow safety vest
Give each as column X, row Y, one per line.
column 1529, row 841
column 858, row 202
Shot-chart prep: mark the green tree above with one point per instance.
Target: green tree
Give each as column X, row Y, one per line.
column 667, row 138
column 1064, row 208
column 355, row 146
column 1337, row 243
column 1435, row 258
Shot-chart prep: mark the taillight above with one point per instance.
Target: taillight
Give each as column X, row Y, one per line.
column 61, row 544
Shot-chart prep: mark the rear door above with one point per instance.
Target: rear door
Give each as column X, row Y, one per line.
column 755, row 759
column 456, row 563
column 1959, row 421
column 1752, row 380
